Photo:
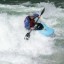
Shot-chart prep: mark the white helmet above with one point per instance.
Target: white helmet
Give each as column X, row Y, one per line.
column 31, row 14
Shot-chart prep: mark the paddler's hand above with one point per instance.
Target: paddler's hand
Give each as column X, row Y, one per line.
column 39, row 16
column 32, row 28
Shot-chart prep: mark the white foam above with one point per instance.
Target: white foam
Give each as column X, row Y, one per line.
column 12, row 36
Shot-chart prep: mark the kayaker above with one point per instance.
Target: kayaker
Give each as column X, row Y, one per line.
column 31, row 24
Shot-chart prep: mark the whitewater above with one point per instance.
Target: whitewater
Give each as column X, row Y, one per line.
column 38, row 49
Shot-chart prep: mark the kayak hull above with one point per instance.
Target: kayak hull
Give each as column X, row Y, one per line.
column 47, row 31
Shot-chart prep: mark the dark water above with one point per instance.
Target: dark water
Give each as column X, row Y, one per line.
column 56, row 2
column 34, row 1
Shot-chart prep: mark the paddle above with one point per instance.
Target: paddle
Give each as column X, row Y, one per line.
column 27, row 36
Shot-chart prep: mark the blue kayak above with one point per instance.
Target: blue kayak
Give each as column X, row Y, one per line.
column 47, row 31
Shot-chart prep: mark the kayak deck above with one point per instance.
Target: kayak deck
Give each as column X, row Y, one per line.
column 47, row 31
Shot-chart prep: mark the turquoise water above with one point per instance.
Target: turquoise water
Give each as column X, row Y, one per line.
column 39, row 49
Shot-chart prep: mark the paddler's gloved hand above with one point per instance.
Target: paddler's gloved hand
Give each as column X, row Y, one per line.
column 32, row 28
column 39, row 16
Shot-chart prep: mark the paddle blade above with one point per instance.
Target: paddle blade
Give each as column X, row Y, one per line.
column 42, row 11
column 27, row 36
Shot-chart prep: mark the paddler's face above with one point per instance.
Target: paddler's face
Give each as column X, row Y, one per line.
column 32, row 17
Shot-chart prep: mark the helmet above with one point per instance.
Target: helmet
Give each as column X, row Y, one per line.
column 31, row 14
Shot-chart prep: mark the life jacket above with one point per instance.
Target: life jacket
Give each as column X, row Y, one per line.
column 28, row 23
column 32, row 23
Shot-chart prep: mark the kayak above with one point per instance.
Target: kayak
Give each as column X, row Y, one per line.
column 47, row 31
